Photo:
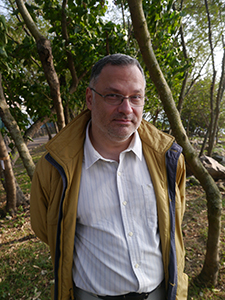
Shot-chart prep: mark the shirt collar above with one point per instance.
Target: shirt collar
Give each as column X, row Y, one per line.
column 91, row 156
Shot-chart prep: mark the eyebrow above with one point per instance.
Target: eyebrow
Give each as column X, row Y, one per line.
column 111, row 89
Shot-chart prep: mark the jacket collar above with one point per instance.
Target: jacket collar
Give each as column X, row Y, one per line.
column 70, row 140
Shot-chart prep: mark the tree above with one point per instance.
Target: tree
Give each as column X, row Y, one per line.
column 195, row 114
column 74, row 31
column 214, row 111
column 14, row 130
column 209, row 273
column 45, row 53
column 8, row 177
column 202, row 31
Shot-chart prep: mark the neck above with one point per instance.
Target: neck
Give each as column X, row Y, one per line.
column 110, row 149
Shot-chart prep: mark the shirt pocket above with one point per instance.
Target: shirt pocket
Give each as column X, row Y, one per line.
column 150, row 205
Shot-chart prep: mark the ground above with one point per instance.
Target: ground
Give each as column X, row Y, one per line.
column 25, row 263
column 195, row 230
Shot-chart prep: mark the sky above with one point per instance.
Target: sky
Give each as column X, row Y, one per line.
column 3, row 11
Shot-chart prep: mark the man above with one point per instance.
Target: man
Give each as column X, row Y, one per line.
column 109, row 196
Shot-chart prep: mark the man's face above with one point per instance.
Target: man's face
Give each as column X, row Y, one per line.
column 115, row 123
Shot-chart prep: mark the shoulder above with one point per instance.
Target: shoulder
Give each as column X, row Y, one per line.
column 158, row 140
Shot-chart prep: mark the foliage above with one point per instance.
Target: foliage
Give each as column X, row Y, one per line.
column 92, row 36
column 204, row 56
column 3, row 42
column 196, row 120
column 164, row 24
column 89, row 38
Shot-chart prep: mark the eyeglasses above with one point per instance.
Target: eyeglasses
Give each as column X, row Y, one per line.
column 117, row 99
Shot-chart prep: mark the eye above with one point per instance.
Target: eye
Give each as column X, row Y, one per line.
column 136, row 97
column 113, row 96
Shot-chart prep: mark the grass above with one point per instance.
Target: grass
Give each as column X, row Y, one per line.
column 26, row 270
column 25, row 263
column 195, row 228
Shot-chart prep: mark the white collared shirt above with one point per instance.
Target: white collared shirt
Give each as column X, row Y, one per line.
column 117, row 243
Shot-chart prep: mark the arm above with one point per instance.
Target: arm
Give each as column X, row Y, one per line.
column 39, row 202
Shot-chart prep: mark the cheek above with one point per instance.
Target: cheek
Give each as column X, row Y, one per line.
column 101, row 113
column 139, row 114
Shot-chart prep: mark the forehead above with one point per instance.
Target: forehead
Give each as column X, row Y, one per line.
column 121, row 75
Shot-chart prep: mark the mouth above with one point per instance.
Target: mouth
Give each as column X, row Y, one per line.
column 123, row 121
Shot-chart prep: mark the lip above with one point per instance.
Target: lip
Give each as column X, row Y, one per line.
column 123, row 121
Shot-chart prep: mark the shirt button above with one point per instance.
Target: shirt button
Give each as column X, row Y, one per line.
column 136, row 266
column 124, row 203
column 130, row 233
column 119, row 173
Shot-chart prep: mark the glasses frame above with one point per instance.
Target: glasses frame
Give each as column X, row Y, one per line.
column 123, row 97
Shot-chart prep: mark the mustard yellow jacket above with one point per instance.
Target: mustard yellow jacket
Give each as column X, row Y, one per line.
column 54, row 198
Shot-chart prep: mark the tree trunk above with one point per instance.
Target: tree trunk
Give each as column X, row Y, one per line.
column 21, row 198
column 15, row 133
column 7, row 170
column 219, row 97
column 45, row 53
column 204, row 144
column 212, row 121
column 70, row 58
column 33, row 129
column 48, row 131
column 210, row 270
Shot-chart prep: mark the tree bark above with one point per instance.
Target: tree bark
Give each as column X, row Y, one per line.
column 33, row 129
column 48, row 131
column 15, row 133
column 211, row 267
column 9, row 183
column 45, row 53
column 219, row 97
column 69, row 55
column 212, row 121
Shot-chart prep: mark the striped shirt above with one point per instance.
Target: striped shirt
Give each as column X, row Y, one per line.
column 117, row 244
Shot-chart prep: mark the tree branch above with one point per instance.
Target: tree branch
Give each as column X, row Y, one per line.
column 29, row 21
column 70, row 58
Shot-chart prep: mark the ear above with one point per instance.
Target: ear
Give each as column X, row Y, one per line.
column 89, row 98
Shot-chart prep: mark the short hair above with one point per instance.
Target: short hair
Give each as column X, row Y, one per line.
column 117, row 59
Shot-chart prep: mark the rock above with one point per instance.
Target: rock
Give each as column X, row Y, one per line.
column 221, row 186
column 192, row 181
column 219, row 158
column 215, row 169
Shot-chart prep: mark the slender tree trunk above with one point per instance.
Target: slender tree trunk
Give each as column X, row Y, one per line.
column 34, row 128
column 185, row 53
column 219, row 97
column 48, row 131
column 7, row 170
column 204, row 144
column 210, row 270
column 15, row 133
column 70, row 58
column 212, row 121
column 21, row 198
column 45, row 53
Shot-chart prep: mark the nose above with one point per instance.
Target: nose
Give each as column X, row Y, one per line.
column 125, row 106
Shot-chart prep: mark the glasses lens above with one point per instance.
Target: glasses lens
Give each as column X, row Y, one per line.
column 137, row 100
column 113, row 99
column 117, row 99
